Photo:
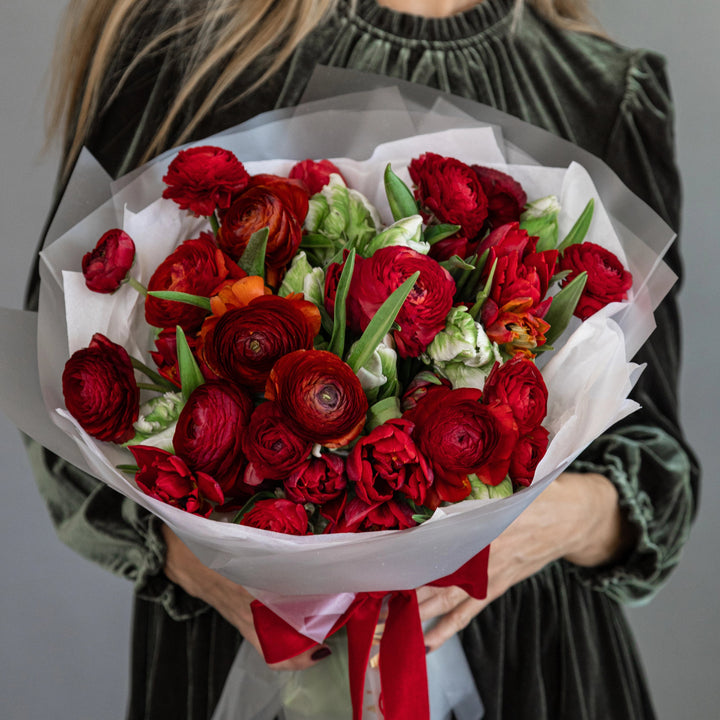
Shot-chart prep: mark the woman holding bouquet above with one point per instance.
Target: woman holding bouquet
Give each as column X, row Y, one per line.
column 136, row 78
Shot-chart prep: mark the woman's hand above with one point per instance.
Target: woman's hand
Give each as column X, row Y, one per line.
column 230, row 599
column 577, row 518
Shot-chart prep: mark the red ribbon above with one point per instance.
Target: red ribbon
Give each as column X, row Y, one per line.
column 403, row 672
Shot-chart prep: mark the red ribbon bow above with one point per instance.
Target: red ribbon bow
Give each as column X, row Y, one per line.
column 403, row 672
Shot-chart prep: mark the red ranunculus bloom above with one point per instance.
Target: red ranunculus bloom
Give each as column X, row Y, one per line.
column 100, row 390
column 292, row 192
column 460, row 435
column 202, row 179
column 246, row 342
column 387, row 460
column 423, row 315
column 359, row 516
column 210, row 429
column 278, row 515
column 455, row 245
column 196, row 267
column 320, row 395
column 166, row 477
column 271, row 445
column 528, row 452
column 258, row 208
column 106, row 266
column 518, row 384
column 314, row 174
column 506, row 197
column 317, row 480
column 608, row 281
column 450, row 191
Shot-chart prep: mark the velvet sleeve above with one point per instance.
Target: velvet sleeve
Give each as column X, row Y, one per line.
column 646, row 456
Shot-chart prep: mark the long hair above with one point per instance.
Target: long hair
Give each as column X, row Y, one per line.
column 228, row 37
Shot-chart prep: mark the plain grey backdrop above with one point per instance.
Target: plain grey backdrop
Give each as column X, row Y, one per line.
column 64, row 623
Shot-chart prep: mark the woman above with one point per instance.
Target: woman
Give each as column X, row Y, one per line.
column 139, row 76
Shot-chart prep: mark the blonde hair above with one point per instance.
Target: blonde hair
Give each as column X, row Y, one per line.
column 228, row 38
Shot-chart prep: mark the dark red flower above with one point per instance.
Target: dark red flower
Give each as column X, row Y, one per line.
column 519, row 384
column 196, row 267
column 387, row 460
column 507, row 239
column 506, row 197
column 100, row 390
column 278, row 515
column 320, row 395
column 317, row 480
column 450, row 191
column 106, row 266
column 210, row 430
column 258, row 208
column 271, row 445
column 314, row 174
column 608, row 281
column 246, row 342
column 455, row 245
column 292, row 192
column 359, row 516
column 460, row 435
column 424, row 312
column 166, row 477
column 528, row 452
column 201, row 179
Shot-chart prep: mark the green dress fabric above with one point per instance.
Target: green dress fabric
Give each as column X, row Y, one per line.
column 556, row 645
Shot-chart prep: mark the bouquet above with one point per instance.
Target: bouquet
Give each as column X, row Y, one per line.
column 342, row 358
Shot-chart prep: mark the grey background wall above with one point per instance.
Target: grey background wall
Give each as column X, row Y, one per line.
column 64, row 623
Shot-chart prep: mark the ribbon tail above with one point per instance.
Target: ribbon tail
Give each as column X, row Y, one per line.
column 403, row 669
column 360, row 630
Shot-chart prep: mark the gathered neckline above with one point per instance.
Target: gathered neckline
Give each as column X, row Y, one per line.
column 489, row 16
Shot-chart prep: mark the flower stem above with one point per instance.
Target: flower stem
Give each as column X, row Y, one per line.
column 138, row 286
column 150, row 386
column 214, row 224
column 162, row 383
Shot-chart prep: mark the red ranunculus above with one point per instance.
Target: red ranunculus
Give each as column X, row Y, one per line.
column 608, row 281
column 106, row 266
column 314, row 174
column 518, row 384
column 210, row 429
column 460, row 435
column 359, row 516
column 321, row 396
column 455, row 245
column 420, row 385
column 201, row 179
column 423, row 314
column 450, row 191
column 258, row 208
column 506, row 197
column 166, row 477
column 246, row 342
column 317, row 480
column 100, row 390
column 528, row 452
column 292, row 192
column 278, row 515
column 196, row 267
column 387, row 460
column 271, row 445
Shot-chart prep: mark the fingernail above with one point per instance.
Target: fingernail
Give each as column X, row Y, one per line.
column 427, row 649
column 321, row 653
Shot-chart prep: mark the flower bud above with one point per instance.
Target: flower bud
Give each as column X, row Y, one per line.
column 156, row 421
column 406, row 232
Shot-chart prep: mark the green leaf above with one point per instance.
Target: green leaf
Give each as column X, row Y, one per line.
column 545, row 228
column 187, row 298
column 560, row 276
column 382, row 411
column 400, row 198
column 580, row 228
column 253, row 259
column 456, row 264
column 436, row 233
column 190, row 375
column 314, row 241
column 562, row 307
column 337, row 341
column 127, row 468
column 380, row 324
column 482, row 296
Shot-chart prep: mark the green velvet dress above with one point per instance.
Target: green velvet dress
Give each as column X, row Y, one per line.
column 555, row 646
